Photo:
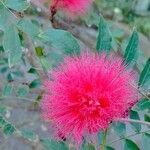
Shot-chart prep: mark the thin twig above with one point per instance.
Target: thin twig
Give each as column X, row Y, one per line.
column 13, row 97
column 128, row 136
column 133, row 121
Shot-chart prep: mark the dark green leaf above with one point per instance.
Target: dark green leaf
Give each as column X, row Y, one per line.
column 120, row 128
column 32, row 70
column 35, row 83
column 135, row 115
column 2, row 121
column 18, row 5
column 130, row 145
column 109, row 148
column 8, row 129
column 147, row 118
column 4, row 69
column 145, row 75
column 10, row 77
column 143, row 104
column 61, row 40
column 131, row 51
column 104, row 38
column 54, row 145
column 12, row 45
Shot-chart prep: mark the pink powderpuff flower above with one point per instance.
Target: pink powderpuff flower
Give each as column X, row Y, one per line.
column 86, row 93
column 71, row 7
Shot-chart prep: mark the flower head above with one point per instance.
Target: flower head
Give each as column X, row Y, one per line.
column 71, row 7
column 86, row 93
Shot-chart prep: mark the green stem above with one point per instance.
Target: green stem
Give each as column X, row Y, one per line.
column 104, row 140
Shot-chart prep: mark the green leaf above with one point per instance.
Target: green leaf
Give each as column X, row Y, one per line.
column 100, row 137
column 54, row 145
column 6, row 18
column 130, row 145
column 88, row 147
column 61, row 40
column 7, row 90
column 8, row 129
column 145, row 141
column 2, row 109
column 39, row 51
column 135, row 115
column 109, row 148
column 12, row 45
column 23, row 91
column 2, row 121
column 18, row 5
column 145, row 75
column 28, row 27
column 45, row 63
column 28, row 134
column 35, row 83
column 147, row 118
column 104, row 38
column 120, row 128
column 4, row 69
column 32, row 70
column 143, row 104
column 131, row 51
column 9, row 77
